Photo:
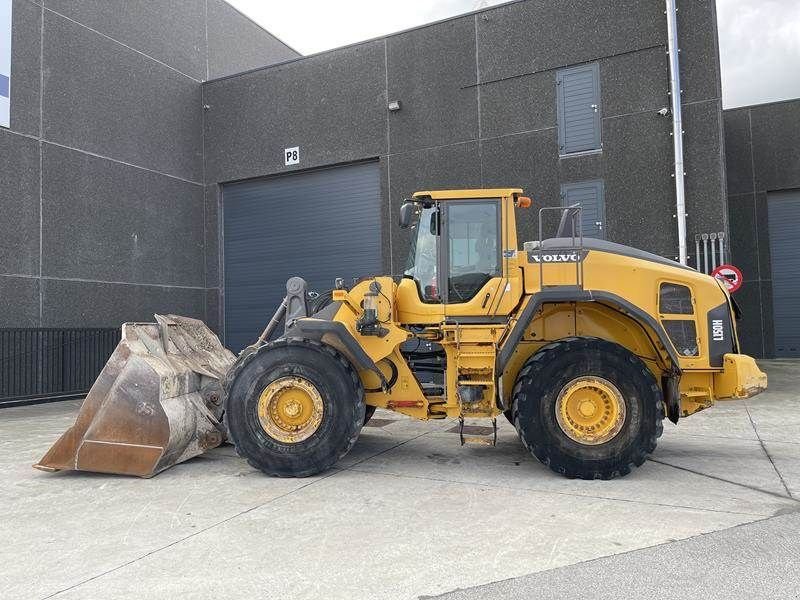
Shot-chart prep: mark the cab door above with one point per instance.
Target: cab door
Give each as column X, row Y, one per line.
column 479, row 278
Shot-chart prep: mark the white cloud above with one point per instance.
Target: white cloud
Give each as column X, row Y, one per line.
column 759, row 50
column 759, row 39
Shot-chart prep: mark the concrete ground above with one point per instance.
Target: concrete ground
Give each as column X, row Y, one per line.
column 409, row 513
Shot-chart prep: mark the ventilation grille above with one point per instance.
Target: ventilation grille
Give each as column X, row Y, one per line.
column 683, row 335
column 675, row 300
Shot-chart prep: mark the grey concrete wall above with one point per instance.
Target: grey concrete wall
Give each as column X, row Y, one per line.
column 479, row 109
column 106, row 215
column 762, row 149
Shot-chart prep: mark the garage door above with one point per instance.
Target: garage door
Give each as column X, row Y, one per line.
column 319, row 225
column 784, row 247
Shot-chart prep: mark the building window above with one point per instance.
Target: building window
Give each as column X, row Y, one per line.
column 591, row 198
column 578, row 96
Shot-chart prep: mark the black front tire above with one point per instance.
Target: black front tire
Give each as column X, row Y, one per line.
column 343, row 408
column 551, row 369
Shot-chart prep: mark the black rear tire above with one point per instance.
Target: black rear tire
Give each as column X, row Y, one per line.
column 551, row 370
column 342, row 417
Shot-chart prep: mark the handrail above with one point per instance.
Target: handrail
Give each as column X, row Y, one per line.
column 571, row 214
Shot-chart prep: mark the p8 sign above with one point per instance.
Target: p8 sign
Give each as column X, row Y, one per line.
column 291, row 156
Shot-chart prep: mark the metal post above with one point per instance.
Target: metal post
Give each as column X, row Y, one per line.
column 677, row 125
column 705, row 252
column 697, row 250
column 720, row 237
column 713, row 238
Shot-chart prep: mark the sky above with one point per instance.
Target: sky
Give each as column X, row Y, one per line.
column 759, row 39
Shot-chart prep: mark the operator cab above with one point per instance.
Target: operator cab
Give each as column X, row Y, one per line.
column 461, row 245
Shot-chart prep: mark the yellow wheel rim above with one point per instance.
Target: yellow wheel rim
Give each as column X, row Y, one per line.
column 590, row 410
column 290, row 409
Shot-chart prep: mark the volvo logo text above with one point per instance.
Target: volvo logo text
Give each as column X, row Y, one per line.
column 556, row 257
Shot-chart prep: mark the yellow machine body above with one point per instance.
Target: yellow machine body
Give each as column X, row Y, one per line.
column 612, row 293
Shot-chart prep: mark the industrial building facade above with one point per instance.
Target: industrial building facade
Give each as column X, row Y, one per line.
column 561, row 99
column 762, row 151
column 174, row 157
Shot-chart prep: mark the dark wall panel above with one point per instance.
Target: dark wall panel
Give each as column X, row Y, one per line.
column 738, row 157
column 83, row 304
column 640, row 194
column 213, row 315
column 107, row 99
column 19, row 199
column 332, row 105
column 744, row 235
column 236, row 44
column 111, row 222
column 704, row 168
column 19, row 301
column 525, row 37
column 762, row 227
column 699, row 57
column 634, row 82
column 776, row 145
column 432, row 74
column 212, row 235
column 520, row 104
column 171, row 32
column 26, row 35
column 580, row 168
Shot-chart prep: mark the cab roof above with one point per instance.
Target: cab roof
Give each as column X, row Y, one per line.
column 468, row 194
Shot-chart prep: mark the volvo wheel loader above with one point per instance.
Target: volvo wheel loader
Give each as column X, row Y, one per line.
column 583, row 344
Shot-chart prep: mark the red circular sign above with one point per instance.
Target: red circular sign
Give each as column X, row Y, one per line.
column 730, row 276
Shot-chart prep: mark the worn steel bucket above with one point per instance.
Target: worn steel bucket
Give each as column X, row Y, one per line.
column 157, row 402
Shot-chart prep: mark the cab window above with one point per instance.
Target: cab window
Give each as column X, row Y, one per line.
column 422, row 262
column 473, row 251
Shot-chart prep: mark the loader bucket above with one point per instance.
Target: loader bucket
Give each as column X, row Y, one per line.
column 157, row 402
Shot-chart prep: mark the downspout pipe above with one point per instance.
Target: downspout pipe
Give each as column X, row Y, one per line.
column 677, row 125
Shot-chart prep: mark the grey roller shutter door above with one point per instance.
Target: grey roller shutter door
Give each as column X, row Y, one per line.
column 318, row 225
column 784, row 247
column 578, row 108
column 590, row 196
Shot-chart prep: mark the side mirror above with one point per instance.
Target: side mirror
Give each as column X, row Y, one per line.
column 407, row 211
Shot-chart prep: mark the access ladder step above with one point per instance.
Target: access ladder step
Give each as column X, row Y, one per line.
column 467, row 433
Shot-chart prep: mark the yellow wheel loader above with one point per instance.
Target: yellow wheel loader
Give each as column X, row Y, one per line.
column 583, row 344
